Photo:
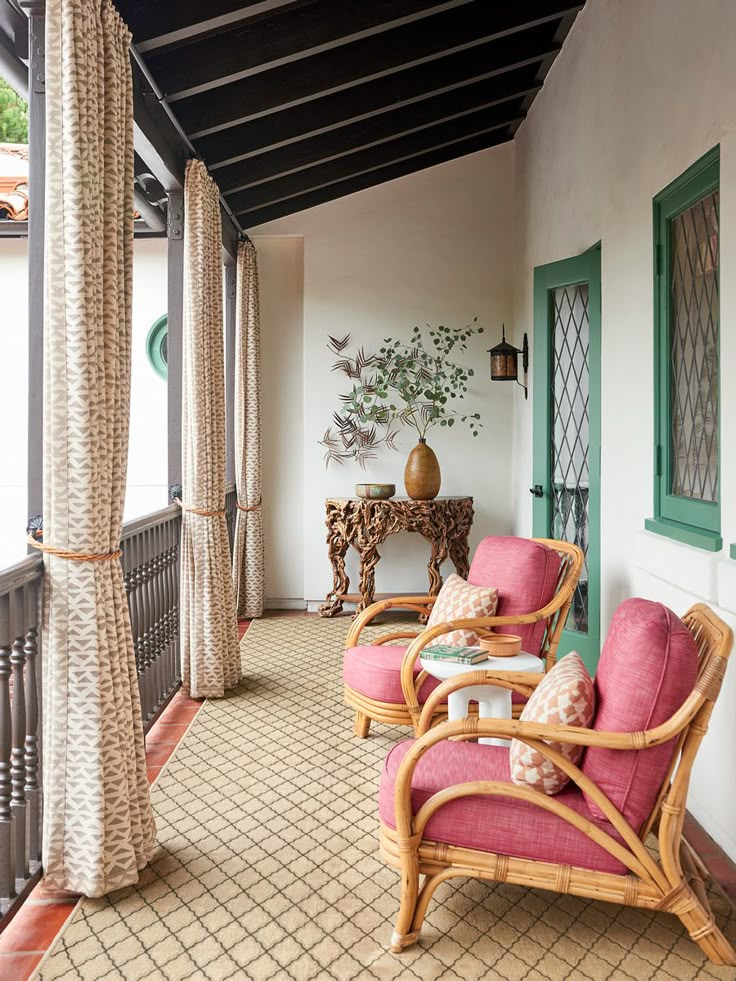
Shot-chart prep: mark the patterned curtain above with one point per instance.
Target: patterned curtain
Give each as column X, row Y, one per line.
column 209, row 627
column 248, row 571
column 98, row 825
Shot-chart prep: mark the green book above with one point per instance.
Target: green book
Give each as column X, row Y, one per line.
column 457, row 655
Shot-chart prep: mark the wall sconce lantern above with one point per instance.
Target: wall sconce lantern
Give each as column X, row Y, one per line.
column 505, row 361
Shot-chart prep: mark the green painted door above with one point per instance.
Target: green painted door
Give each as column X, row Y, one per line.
column 567, row 429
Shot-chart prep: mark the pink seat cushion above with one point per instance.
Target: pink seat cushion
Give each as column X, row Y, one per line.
column 647, row 669
column 376, row 672
column 525, row 573
column 493, row 824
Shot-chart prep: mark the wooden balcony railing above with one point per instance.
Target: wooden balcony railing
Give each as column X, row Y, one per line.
column 151, row 564
column 20, row 729
column 151, row 547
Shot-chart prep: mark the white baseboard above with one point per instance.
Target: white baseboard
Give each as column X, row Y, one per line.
column 285, row 604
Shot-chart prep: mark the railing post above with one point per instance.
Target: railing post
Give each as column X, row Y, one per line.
column 7, row 866
column 32, row 790
column 36, row 183
column 175, row 235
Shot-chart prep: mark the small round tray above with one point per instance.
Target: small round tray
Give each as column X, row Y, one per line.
column 500, row 645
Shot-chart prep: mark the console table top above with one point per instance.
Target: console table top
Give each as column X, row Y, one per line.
column 390, row 500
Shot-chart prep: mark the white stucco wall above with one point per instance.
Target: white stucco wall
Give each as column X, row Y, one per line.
column 433, row 247
column 641, row 90
column 147, row 489
column 281, row 280
column 14, row 424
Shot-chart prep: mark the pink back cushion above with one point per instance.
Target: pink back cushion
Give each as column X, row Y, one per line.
column 525, row 573
column 647, row 669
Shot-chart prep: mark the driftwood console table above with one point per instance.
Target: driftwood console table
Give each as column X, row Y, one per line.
column 364, row 524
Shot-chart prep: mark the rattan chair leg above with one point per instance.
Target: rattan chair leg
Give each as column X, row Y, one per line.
column 700, row 923
column 362, row 724
column 403, row 935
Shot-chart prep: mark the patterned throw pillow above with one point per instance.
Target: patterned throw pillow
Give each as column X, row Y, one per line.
column 458, row 600
column 565, row 696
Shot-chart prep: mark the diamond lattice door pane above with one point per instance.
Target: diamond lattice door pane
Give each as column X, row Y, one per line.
column 570, row 449
column 694, row 330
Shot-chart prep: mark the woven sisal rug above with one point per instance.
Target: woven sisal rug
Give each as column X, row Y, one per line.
column 268, row 866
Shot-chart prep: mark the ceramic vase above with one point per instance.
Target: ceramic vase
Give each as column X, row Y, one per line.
column 422, row 475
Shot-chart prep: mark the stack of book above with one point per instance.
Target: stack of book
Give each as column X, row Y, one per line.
column 455, row 655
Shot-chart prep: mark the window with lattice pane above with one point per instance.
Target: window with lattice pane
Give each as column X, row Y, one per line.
column 687, row 321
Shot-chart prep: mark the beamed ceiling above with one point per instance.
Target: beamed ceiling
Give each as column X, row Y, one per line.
column 292, row 104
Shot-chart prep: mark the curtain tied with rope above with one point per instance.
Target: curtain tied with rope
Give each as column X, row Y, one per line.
column 209, row 626
column 248, row 550
column 98, row 825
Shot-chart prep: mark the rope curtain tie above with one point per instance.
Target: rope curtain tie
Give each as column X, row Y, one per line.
column 253, row 507
column 65, row 553
column 202, row 512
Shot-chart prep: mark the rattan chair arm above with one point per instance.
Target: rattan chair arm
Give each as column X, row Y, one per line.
column 515, row 728
column 437, row 630
column 394, row 602
column 523, row 682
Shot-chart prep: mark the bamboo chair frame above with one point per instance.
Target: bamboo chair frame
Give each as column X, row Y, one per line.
column 673, row 884
column 555, row 613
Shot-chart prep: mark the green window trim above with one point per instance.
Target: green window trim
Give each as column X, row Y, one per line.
column 733, row 551
column 155, row 343
column 685, row 519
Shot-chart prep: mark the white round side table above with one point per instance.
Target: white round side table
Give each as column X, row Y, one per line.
column 493, row 702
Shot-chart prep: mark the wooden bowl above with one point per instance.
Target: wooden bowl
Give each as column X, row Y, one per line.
column 375, row 492
column 500, row 645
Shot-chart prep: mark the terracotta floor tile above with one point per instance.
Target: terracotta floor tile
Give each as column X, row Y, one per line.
column 18, row 967
column 180, row 714
column 166, row 733
column 158, row 755
column 152, row 772
column 35, row 927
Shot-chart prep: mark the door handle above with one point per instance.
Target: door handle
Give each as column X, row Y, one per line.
column 536, row 490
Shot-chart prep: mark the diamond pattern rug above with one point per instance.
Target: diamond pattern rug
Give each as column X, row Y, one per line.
column 267, row 863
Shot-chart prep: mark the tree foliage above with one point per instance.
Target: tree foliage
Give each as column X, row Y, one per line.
column 404, row 384
column 13, row 115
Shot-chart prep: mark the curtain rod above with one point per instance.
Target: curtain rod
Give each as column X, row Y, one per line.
column 161, row 98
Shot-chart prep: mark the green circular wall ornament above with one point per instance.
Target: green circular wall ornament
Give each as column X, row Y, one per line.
column 157, row 346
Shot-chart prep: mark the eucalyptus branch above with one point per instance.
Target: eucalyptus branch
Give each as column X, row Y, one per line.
column 403, row 384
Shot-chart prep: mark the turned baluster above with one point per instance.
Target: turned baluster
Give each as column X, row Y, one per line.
column 18, row 733
column 176, row 595
column 32, row 789
column 7, row 876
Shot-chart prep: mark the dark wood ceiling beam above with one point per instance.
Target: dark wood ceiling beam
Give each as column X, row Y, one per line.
column 372, row 158
column 506, row 59
column 463, row 108
column 309, row 199
column 149, row 19
column 350, row 64
column 305, row 31
column 216, row 25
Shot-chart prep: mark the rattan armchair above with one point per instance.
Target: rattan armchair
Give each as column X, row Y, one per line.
column 671, row 881
column 407, row 709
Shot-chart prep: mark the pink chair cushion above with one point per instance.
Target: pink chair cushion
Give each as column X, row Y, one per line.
column 525, row 573
column 647, row 669
column 376, row 672
column 493, row 824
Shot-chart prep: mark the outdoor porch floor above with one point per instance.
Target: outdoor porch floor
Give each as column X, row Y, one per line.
column 267, row 864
